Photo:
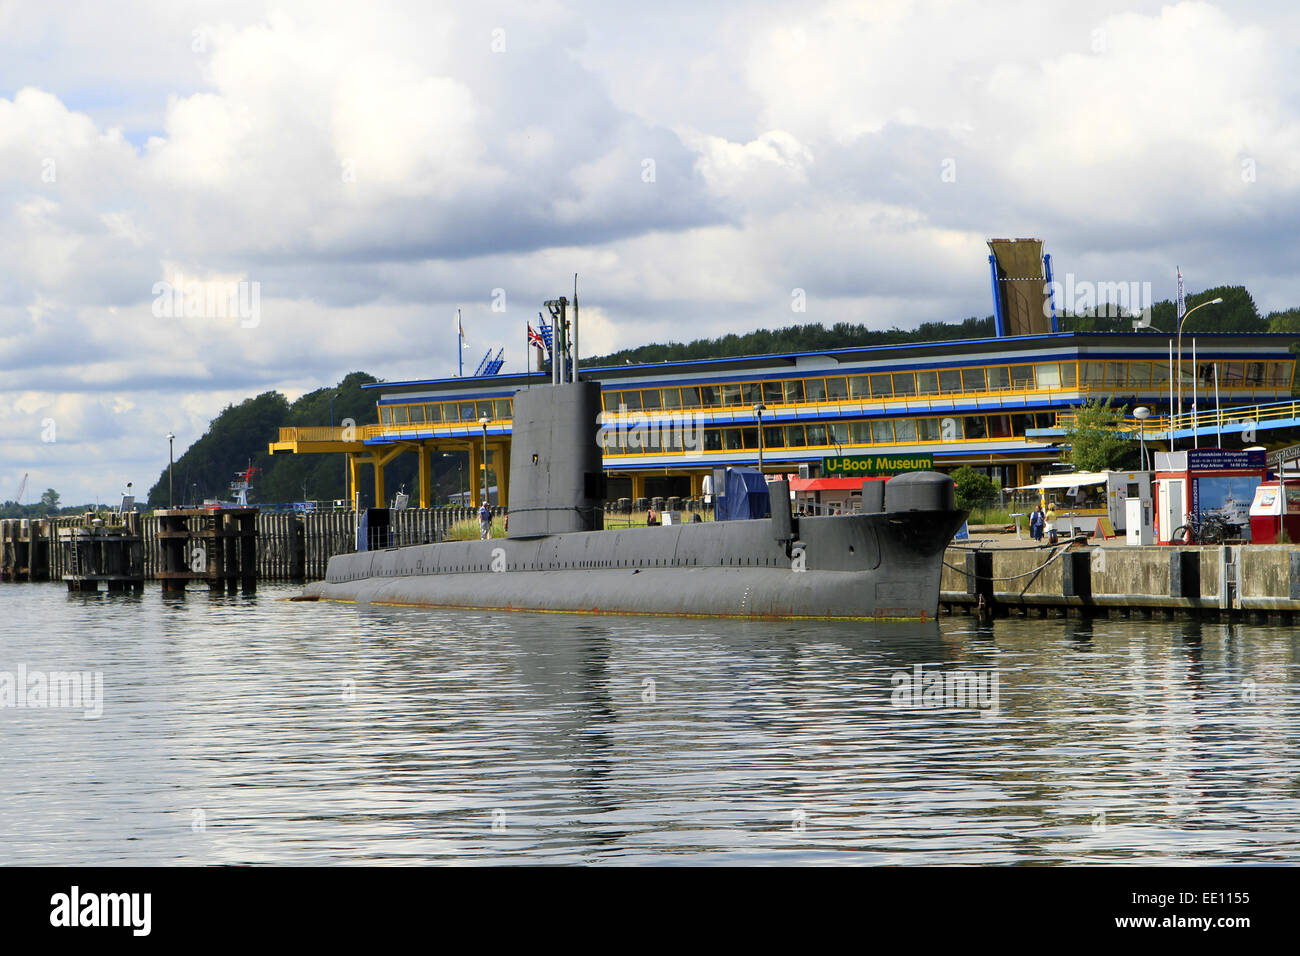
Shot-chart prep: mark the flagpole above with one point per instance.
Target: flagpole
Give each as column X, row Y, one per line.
column 460, row 347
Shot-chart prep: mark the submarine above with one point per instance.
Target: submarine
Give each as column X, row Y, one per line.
column 883, row 563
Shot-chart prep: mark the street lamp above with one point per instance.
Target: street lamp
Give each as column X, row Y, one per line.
column 483, row 421
column 1180, row 350
column 1142, row 413
column 759, row 409
column 171, row 466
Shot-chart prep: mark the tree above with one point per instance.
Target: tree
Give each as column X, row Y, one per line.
column 1100, row 439
column 974, row 488
column 50, row 501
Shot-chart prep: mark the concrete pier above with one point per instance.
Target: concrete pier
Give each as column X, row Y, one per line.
column 1259, row 582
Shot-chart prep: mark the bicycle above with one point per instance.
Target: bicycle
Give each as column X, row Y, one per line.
column 1207, row 529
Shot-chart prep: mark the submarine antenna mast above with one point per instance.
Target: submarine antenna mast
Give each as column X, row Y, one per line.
column 575, row 326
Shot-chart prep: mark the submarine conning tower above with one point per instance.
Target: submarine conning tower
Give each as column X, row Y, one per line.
column 556, row 469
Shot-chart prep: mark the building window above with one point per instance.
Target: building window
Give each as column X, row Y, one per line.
column 837, row 389
column 650, row 399
column 1254, row 374
column 973, row 380
column 858, row 387
column 927, row 383
column 1093, row 374
column 433, row 412
column 773, row 436
column 904, row 384
column 690, row 396
column 399, row 415
column 927, row 429
column 710, row 396
column 905, row 429
column 1047, row 375
column 386, row 414
column 882, row 432
column 1116, row 374
column 794, row 392
column 1139, row 374
column 417, row 414
column 999, row 426
column 949, row 380
column 1068, row 374
column 794, row 436
column 816, row 435
column 837, row 433
column 731, row 439
column 713, row 439
column 671, row 397
column 467, row 412
column 999, row 378
column 482, row 410
column 882, row 386
column 815, row 389
column 859, row 433
column 976, row 427
column 1022, row 377
column 773, row 394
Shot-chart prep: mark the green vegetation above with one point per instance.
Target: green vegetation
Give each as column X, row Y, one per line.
column 797, row 338
column 239, row 436
column 974, row 488
column 1100, row 439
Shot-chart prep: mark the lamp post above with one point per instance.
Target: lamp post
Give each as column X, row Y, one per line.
column 1180, row 351
column 1142, row 413
column 483, row 421
column 759, row 409
column 171, row 466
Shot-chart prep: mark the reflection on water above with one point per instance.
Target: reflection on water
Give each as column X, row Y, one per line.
column 253, row 730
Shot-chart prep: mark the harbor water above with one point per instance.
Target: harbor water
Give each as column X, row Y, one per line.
column 253, row 730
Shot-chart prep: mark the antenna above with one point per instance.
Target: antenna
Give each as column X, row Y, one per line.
column 575, row 326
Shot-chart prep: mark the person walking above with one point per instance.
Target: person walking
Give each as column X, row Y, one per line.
column 485, row 521
column 1036, row 522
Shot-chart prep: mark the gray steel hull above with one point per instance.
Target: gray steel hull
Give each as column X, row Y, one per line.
column 879, row 566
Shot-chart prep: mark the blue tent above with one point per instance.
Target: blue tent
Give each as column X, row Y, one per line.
column 746, row 496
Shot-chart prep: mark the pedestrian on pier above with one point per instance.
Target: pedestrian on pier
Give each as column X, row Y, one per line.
column 1036, row 522
column 485, row 521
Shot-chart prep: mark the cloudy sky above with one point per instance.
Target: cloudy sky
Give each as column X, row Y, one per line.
column 366, row 168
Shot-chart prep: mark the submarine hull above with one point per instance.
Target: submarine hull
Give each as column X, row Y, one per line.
column 883, row 566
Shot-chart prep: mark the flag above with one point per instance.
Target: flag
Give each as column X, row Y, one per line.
column 1181, row 309
column 535, row 339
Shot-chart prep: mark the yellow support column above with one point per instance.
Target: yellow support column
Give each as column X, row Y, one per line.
column 638, row 486
column 426, row 496
column 503, row 476
column 475, row 474
column 354, row 479
column 380, row 497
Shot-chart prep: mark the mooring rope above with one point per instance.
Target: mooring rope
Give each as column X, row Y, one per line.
column 1059, row 551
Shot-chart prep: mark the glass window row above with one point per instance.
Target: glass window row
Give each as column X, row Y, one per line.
column 442, row 413
column 887, row 431
column 877, row 385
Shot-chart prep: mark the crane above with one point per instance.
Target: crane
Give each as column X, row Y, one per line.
column 21, row 489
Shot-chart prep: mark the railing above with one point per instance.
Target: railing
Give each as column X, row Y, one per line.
column 324, row 433
column 1207, row 420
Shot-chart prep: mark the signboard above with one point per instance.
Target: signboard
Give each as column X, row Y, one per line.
column 1226, row 459
column 1290, row 453
column 1104, row 530
column 868, row 465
